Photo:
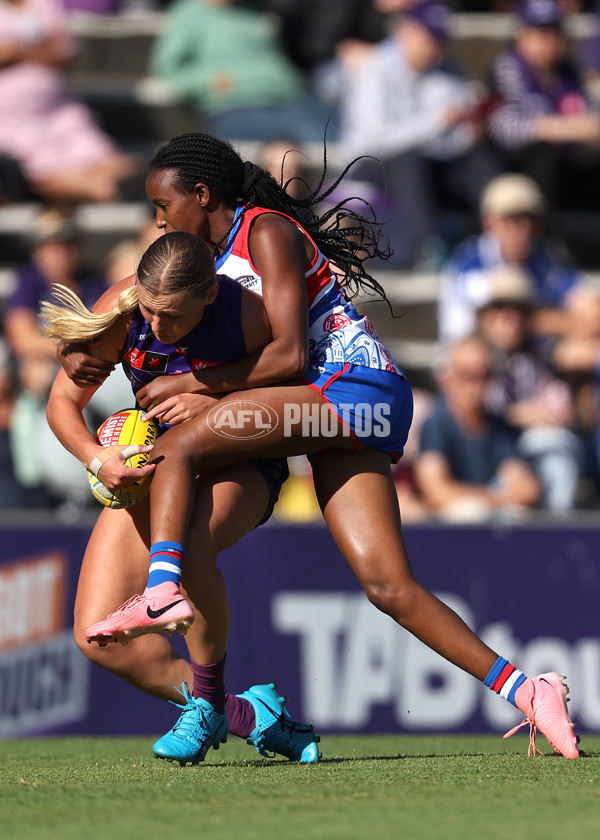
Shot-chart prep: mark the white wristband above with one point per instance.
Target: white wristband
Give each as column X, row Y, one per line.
column 95, row 465
column 127, row 452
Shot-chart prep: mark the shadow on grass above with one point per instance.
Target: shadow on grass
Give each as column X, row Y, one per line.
column 277, row 762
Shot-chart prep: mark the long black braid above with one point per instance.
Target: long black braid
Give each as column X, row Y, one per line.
column 345, row 237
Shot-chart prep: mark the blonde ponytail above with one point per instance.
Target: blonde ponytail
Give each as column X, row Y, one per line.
column 74, row 322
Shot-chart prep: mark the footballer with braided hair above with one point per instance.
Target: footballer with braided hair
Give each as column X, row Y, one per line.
column 344, row 236
column 336, row 392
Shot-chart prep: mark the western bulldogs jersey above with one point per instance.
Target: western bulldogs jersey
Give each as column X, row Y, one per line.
column 337, row 332
column 218, row 338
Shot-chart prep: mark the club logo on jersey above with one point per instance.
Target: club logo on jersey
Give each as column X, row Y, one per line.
column 155, row 362
column 242, row 419
column 134, row 357
column 144, row 360
column 336, row 321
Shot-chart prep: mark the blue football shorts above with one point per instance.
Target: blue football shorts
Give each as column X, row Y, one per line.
column 375, row 407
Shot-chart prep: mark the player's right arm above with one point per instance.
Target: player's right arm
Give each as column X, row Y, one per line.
column 67, row 400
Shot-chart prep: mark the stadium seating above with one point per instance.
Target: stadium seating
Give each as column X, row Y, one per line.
column 110, row 75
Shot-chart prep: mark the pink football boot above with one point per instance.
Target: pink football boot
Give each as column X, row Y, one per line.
column 160, row 609
column 543, row 702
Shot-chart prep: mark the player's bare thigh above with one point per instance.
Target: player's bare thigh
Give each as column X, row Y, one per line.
column 115, row 563
column 238, row 434
column 360, row 505
column 229, row 502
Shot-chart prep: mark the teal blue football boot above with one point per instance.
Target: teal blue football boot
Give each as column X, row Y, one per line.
column 276, row 732
column 199, row 727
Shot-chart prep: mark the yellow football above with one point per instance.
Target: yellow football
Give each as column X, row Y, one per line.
column 125, row 428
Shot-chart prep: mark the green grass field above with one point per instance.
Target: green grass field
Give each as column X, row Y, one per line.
column 413, row 787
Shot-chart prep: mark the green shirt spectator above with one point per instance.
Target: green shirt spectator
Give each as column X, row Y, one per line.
column 226, row 59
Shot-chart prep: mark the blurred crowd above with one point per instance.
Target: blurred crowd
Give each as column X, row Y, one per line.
column 470, row 176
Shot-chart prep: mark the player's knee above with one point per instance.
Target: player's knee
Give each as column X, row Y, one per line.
column 106, row 656
column 393, row 599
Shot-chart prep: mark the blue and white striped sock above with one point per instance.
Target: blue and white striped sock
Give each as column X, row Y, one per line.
column 166, row 560
column 504, row 679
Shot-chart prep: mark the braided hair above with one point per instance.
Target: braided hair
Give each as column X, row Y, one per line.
column 345, row 237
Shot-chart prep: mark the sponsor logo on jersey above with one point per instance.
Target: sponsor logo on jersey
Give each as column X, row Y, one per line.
column 200, row 364
column 248, row 280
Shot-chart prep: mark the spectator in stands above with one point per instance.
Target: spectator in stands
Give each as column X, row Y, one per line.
column 13, row 493
column 123, row 258
column 314, row 33
column 327, row 39
column 541, row 119
column 92, row 7
column 288, row 165
column 13, row 186
column 468, row 467
column 410, row 108
column 526, row 392
column 226, row 61
column 512, row 213
column 62, row 153
column 577, row 358
column 412, row 505
column 590, row 58
column 56, row 257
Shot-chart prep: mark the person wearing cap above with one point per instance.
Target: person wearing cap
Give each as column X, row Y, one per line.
column 55, row 249
column 46, row 128
column 512, row 215
column 410, row 108
column 56, row 257
column 525, row 390
column 224, row 59
column 541, row 119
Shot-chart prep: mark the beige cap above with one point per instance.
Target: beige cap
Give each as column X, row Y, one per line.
column 508, row 284
column 508, row 195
